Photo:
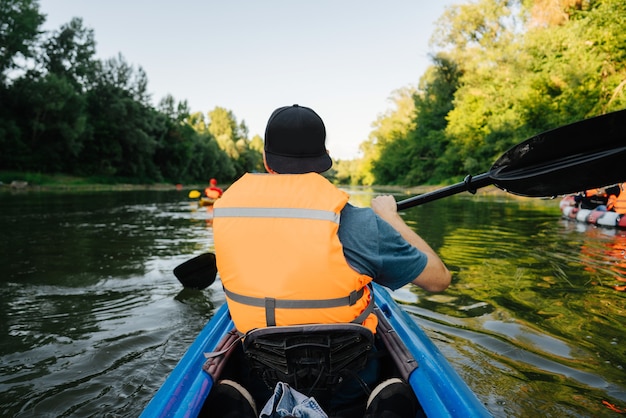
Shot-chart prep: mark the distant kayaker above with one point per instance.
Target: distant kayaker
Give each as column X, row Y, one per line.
column 617, row 199
column 291, row 234
column 213, row 192
column 592, row 198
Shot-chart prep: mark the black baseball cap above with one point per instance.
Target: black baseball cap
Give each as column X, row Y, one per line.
column 295, row 141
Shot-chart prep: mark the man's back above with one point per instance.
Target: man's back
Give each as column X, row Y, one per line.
column 280, row 259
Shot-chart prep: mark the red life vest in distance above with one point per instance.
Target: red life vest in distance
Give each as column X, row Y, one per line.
column 279, row 256
column 213, row 192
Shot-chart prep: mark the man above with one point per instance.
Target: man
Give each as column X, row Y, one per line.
column 213, row 192
column 291, row 234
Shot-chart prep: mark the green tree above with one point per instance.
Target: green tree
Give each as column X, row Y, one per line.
column 198, row 122
column 19, row 32
column 388, row 141
column 232, row 139
column 575, row 69
column 67, row 112
column 482, row 40
column 123, row 132
column 52, row 120
column 70, row 53
column 173, row 154
column 472, row 34
column 505, row 70
column 530, row 77
column 124, row 76
column 545, row 13
column 223, row 126
column 428, row 141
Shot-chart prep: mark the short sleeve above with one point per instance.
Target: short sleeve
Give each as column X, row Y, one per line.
column 373, row 247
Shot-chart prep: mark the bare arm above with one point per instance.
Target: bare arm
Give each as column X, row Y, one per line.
column 435, row 277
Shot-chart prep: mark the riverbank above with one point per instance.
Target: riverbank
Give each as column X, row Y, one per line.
column 25, row 181
column 18, row 181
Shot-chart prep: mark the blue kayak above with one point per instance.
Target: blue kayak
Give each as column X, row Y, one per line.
column 439, row 389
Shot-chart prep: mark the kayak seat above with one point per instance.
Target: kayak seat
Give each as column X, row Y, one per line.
column 311, row 358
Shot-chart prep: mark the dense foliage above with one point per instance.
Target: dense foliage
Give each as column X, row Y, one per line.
column 64, row 111
column 503, row 71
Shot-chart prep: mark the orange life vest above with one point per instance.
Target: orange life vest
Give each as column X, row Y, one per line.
column 279, row 256
column 618, row 203
column 595, row 192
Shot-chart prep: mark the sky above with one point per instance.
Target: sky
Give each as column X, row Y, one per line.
column 342, row 58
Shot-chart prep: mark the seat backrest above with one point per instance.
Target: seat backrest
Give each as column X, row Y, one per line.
column 310, row 358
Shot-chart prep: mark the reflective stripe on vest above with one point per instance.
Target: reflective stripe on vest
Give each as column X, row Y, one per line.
column 314, row 214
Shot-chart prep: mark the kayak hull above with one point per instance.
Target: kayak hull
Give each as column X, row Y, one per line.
column 603, row 218
column 440, row 390
column 206, row 201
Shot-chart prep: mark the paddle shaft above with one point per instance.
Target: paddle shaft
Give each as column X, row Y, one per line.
column 470, row 184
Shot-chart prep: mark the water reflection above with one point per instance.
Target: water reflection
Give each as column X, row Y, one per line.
column 93, row 319
column 524, row 321
column 602, row 252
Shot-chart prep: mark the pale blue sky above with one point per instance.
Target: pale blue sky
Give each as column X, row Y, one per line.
column 343, row 58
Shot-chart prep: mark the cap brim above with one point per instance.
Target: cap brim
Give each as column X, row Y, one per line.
column 300, row 165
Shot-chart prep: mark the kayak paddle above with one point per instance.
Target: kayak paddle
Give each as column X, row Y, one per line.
column 583, row 155
column 198, row 272
column 194, row 194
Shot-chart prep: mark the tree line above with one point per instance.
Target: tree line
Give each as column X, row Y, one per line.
column 502, row 71
column 64, row 111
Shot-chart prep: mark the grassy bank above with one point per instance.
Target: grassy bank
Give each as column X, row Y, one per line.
column 40, row 181
column 62, row 182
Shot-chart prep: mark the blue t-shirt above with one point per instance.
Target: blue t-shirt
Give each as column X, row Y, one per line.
column 372, row 247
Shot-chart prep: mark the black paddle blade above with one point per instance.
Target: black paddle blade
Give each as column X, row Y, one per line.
column 583, row 155
column 197, row 273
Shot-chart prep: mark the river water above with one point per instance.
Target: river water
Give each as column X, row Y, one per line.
column 92, row 320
